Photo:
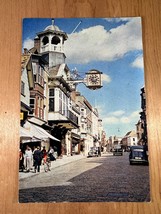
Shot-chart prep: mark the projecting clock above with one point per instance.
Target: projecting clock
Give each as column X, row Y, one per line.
column 94, row 79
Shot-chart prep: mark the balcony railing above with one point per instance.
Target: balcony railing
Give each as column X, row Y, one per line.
column 57, row 48
column 72, row 117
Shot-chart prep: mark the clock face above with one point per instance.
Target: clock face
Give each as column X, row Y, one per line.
column 94, row 79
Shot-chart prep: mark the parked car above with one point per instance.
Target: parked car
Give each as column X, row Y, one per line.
column 138, row 155
column 117, row 151
column 94, row 152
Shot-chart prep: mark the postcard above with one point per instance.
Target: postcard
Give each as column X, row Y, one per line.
column 83, row 127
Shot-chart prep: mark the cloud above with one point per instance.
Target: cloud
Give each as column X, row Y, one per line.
column 118, row 19
column 125, row 120
column 97, row 44
column 120, row 117
column 106, row 78
column 28, row 43
column 138, row 62
column 118, row 113
column 110, row 120
column 134, row 114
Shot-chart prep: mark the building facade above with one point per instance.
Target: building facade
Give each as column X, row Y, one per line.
column 55, row 104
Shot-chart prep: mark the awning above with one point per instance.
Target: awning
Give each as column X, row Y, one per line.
column 24, row 133
column 74, row 135
column 37, row 121
column 38, row 132
column 26, row 136
column 25, row 107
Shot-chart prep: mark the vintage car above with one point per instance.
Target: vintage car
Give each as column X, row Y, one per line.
column 138, row 155
column 94, row 152
column 117, row 151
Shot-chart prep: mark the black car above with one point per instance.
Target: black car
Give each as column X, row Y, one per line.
column 118, row 151
column 138, row 155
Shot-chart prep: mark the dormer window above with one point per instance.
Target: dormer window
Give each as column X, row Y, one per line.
column 55, row 40
column 45, row 40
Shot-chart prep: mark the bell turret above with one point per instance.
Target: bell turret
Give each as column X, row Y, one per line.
column 52, row 44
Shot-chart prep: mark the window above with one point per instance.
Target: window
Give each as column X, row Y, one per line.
column 63, row 103
column 41, row 110
column 40, row 78
column 55, row 40
column 32, row 104
column 82, row 112
column 22, row 88
column 38, row 74
column 45, row 40
column 60, row 102
column 38, row 107
column 51, row 100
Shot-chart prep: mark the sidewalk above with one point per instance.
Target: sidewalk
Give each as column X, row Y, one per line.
column 59, row 162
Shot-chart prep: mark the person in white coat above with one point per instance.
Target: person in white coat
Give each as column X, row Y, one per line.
column 29, row 158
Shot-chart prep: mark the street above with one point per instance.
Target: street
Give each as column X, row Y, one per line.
column 98, row 179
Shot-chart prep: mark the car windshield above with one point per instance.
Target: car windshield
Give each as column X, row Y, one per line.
column 138, row 153
column 93, row 148
column 119, row 149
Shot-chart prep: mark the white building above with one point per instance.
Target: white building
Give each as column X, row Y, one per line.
column 95, row 126
column 130, row 139
column 62, row 114
column 27, row 83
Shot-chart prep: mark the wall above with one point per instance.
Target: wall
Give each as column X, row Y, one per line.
column 12, row 13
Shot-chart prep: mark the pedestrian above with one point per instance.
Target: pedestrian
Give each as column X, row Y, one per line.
column 44, row 154
column 51, row 154
column 37, row 159
column 34, row 149
column 29, row 157
column 21, row 160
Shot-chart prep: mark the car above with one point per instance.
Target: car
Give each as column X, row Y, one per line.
column 117, row 151
column 138, row 155
column 94, row 152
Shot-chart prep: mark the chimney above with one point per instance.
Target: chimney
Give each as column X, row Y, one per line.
column 25, row 51
column 37, row 43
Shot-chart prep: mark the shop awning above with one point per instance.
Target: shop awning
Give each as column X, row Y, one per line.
column 36, row 121
column 24, row 133
column 38, row 132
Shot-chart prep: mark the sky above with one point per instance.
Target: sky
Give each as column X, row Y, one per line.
column 112, row 46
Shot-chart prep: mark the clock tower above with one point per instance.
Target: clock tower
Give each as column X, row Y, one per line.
column 51, row 44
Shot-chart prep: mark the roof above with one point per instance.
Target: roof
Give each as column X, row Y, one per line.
column 52, row 27
column 131, row 134
column 34, row 50
column 24, row 60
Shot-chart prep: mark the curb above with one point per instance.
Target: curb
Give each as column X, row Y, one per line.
column 62, row 162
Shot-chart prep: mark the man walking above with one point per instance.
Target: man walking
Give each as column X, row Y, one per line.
column 37, row 159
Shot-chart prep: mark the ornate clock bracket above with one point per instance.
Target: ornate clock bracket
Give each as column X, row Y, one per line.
column 93, row 80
